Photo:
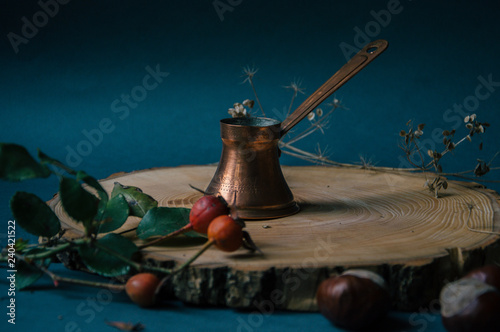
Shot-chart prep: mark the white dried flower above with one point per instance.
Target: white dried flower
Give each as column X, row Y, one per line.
column 310, row 116
column 238, row 111
column 248, row 103
column 319, row 112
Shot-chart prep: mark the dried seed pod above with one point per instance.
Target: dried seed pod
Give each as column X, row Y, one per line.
column 248, row 103
column 355, row 299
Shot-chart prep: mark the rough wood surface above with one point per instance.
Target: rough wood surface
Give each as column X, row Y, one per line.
column 350, row 218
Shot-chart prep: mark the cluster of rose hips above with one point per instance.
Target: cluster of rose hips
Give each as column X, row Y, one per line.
column 210, row 216
column 358, row 299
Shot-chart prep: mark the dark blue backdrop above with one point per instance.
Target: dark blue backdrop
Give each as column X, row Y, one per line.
column 67, row 68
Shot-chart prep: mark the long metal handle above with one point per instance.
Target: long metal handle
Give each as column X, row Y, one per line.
column 351, row 68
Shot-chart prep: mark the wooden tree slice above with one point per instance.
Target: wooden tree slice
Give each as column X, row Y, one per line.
column 384, row 221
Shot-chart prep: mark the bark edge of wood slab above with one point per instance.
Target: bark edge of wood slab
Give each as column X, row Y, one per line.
column 379, row 219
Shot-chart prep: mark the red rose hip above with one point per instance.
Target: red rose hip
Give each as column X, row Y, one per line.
column 141, row 289
column 225, row 233
column 205, row 210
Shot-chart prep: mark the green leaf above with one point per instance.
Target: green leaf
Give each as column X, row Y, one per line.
column 104, row 263
column 16, row 164
column 164, row 220
column 92, row 182
column 34, row 215
column 139, row 202
column 26, row 273
column 115, row 214
column 77, row 202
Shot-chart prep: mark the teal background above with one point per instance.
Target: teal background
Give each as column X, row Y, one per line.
column 64, row 81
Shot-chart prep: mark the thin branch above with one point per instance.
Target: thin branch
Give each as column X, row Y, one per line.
column 56, row 279
column 207, row 245
column 477, row 230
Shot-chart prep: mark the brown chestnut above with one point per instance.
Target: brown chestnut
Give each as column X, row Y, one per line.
column 489, row 274
column 470, row 305
column 353, row 300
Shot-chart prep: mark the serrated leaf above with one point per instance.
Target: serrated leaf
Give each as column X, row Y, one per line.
column 164, row 220
column 139, row 202
column 16, row 164
column 76, row 201
column 34, row 215
column 27, row 274
column 115, row 214
column 104, row 263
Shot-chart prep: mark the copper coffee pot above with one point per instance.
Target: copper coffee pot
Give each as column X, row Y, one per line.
column 249, row 175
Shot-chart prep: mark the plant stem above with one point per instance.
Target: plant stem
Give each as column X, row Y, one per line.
column 57, row 278
column 255, row 94
column 57, row 249
column 195, row 256
column 291, row 102
column 124, row 259
column 313, row 127
column 184, row 229
column 135, row 265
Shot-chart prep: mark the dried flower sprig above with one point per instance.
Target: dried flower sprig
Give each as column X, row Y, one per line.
column 296, row 87
column 411, row 146
column 249, row 73
column 319, row 121
column 239, row 110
